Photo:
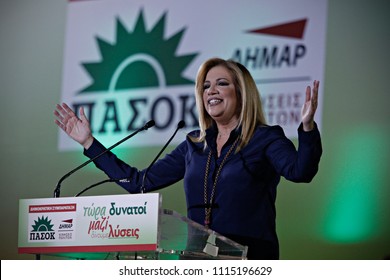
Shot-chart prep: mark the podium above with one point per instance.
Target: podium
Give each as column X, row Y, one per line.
column 123, row 227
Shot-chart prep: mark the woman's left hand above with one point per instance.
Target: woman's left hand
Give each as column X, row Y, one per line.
column 310, row 106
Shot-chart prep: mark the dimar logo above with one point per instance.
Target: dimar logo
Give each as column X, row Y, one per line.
column 42, row 230
column 276, row 56
column 294, row 29
column 138, row 77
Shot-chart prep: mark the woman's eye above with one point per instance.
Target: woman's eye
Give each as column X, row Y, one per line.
column 223, row 83
column 206, row 86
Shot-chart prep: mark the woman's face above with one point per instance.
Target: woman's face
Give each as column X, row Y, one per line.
column 219, row 95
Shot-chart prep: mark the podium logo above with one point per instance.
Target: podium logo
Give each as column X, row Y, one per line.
column 65, row 230
column 42, row 230
column 66, row 224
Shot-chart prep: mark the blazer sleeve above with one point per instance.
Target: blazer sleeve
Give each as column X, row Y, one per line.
column 297, row 165
column 164, row 172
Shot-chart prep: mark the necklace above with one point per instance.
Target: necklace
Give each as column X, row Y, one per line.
column 208, row 203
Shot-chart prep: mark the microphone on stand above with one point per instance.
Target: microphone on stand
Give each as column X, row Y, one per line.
column 180, row 125
column 57, row 190
column 103, row 182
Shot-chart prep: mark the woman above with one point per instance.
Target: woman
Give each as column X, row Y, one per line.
column 231, row 166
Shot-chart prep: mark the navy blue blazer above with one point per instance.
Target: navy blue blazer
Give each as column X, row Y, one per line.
column 245, row 194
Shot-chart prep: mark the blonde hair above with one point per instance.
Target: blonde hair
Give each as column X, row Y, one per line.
column 251, row 112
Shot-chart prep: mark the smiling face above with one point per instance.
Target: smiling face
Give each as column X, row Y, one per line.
column 219, row 95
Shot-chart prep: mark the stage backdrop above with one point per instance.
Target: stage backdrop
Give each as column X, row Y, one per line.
column 127, row 62
column 344, row 213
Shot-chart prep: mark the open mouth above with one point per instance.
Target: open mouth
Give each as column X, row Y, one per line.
column 214, row 101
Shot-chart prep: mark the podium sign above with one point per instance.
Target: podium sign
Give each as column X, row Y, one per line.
column 111, row 223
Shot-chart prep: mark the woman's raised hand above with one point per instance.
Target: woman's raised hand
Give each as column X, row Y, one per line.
column 78, row 128
column 310, row 106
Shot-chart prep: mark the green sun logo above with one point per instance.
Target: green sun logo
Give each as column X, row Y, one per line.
column 138, row 59
column 43, row 224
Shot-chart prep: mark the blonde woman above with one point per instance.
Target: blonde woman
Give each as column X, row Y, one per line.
column 231, row 166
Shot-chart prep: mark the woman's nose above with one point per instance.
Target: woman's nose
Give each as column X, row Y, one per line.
column 212, row 90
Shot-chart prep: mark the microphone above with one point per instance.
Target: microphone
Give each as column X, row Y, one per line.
column 57, row 190
column 102, row 182
column 180, row 125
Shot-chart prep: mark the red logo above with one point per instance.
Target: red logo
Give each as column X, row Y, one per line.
column 294, row 29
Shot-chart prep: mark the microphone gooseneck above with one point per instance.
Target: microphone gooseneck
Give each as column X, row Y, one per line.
column 57, row 190
column 180, row 125
column 102, row 182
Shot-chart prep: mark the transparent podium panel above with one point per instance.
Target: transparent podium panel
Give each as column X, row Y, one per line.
column 182, row 238
column 189, row 240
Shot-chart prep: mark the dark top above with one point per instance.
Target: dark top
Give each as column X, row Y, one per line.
column 245, row 194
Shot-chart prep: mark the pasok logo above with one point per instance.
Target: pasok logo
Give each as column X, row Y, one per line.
column 138, row 59
column 132, row 81
column 42, row 230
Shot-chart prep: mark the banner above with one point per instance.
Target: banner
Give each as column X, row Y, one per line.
column 127, row 62
column 89, row 224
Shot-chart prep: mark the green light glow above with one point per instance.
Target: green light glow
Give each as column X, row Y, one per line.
column 352, row 210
